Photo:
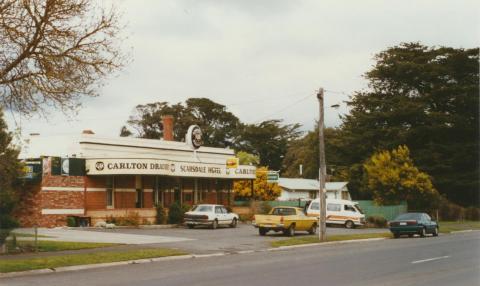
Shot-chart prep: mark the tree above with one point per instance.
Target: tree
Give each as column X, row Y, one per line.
column 268, row 140
column 10, row 172
column 219, row 127
column 261, row 189
column 53, row 52
column 425, row 98
column 304, row 151
column 392, row 177
column 245, row 158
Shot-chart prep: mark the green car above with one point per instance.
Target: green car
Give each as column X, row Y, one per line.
column 413, row 223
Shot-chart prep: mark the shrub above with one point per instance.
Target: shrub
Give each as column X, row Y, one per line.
column 245, row 217
column 111, row 219
column 472, row 213
column 377, row 221
column 450, row 211
column 131, row 219
column 175, row 214
column 265, row 207
column 161, row 215
column 71, row 221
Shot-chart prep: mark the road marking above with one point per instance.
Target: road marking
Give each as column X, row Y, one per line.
column 429, row 259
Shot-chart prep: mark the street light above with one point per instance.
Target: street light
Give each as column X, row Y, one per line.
column 322, row 171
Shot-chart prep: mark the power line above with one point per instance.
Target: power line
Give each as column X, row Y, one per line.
column 283, row 109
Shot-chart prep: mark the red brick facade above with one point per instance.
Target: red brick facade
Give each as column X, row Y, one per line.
column 50, row 202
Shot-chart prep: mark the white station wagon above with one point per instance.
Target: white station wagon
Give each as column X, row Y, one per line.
column 211, row 215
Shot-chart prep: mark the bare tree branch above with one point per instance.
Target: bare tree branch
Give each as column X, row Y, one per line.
column 54, row 52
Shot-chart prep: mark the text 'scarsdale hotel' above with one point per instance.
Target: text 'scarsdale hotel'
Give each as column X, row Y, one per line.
column 98, row 177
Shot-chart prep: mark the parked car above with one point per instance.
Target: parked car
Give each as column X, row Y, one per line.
column 413, row 223
column 285, row 219
column 210, row 215
column 343, row 212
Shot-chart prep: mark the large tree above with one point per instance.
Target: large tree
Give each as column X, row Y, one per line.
column 10, row 172
column 220, row 127
column 426, row 98
column 304, row 151
column 53, row 52
column 268, row 140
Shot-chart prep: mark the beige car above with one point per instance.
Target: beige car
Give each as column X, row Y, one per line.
column 285, row 219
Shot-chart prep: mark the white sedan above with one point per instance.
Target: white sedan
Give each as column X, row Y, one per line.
column 211, row 215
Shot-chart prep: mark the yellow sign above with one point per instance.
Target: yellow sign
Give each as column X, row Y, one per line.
column 232, row 163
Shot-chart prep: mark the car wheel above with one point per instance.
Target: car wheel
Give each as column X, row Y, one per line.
column 313, row 229
column 349, row 224
column 190, row 226
column 423, row 232
column 435, row 231
column 291, row 230
column 215, row 224
column 262, row 231
column 234, row 223
column 396, row 235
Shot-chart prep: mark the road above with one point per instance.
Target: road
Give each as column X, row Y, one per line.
column 445, row 260
column 198, row 240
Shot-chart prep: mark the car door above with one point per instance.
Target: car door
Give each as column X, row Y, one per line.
column 228, row 217
column 430, row 225
column 219, row 215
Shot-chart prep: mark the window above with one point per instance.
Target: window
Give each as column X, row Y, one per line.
column 218, row 210
column 139, row 198
column 202, row 208
column 283, row 211
column 349, row 208
column 315, row 206
column 157, row 193
column 334, row 207
column 110, row 190
column 225, row 211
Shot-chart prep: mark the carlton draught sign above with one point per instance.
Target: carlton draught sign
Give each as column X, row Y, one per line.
column 166, row 168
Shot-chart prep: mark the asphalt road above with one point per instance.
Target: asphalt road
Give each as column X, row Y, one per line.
column 445, row 260
column 245, row 237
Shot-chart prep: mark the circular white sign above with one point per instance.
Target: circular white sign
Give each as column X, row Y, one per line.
column 194, row 137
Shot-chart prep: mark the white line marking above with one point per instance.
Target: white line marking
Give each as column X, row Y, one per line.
column 429, row 259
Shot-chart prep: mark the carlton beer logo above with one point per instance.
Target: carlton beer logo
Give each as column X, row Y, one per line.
column 194, row 137
column 99, row 166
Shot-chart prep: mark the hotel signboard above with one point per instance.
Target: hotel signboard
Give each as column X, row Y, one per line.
column 166, row 168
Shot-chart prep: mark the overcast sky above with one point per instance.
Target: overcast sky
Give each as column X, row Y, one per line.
column 262, row 59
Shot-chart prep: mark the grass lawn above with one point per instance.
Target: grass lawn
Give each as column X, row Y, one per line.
column 49, row 245
column 338, row 237
column 449, row 226
column 79, row 259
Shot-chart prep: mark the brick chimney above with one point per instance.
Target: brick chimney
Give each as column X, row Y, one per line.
column 167, row 121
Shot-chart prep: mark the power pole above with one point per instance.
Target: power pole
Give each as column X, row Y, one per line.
column 322, row 171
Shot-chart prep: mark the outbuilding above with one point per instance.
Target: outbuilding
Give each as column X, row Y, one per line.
column 307, row 189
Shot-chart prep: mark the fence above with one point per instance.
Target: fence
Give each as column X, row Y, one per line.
column 368, row 207
column 388, row 212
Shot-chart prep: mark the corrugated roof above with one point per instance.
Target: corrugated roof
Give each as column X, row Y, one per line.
column 308, row 184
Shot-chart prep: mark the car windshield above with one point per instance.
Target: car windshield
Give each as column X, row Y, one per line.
column 283, row 211
column 358, row 209
column 201, row 208
column 409, row 216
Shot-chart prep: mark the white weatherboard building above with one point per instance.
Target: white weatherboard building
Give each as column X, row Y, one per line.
column 306, row 189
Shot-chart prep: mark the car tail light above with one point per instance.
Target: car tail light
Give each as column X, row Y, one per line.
column 411, row 222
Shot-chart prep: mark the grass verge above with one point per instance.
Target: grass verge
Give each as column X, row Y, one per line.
column 449, row 226
column 80, row 259
column 339, row 237
column 49, row 245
